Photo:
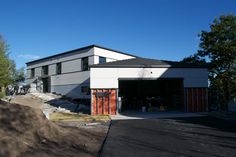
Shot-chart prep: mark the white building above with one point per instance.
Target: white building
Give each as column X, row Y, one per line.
column 99, row 76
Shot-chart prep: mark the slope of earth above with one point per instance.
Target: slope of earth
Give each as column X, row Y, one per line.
column 25, row 132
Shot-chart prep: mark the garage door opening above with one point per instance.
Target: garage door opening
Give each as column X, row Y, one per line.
column 154, row 95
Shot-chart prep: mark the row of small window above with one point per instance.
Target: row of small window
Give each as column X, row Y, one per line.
column 84, row 65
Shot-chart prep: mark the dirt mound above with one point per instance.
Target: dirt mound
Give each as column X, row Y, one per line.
column 25, row 131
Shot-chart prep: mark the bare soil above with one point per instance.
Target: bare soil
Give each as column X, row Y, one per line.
column 25, row 132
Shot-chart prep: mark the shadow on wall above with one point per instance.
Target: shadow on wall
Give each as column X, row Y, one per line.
column 72, row 98
column 71, row 105
column 73, row 91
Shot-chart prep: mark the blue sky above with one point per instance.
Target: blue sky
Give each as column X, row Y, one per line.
column 160, row 29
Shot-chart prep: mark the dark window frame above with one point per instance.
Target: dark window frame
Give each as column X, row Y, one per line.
column 45, row 70
column 85, row 64
column 58, row 68
column 32, row 73
column 102, row 60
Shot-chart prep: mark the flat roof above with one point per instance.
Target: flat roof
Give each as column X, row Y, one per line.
column 147, row 63
column 79, row 49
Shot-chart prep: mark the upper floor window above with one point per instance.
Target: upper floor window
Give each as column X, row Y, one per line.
column 32, row 73
column 84, row 64
column 58, row 68
column 102, row 60
column 45, row 70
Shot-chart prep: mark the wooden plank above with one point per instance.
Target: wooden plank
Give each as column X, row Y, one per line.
column 205, row 100
column 199, row 99
column 202, row 100
column 190, row 100
column 113, row 101
column 187, row 101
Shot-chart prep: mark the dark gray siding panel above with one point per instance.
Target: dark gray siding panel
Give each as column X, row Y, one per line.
column 72, row 91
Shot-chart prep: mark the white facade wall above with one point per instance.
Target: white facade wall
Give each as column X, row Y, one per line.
column 110, row 60
column 72, row 78
column 108, row 77
column 109, row 55
column 96, row 59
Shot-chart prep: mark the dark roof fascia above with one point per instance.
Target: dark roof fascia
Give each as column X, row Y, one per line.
column 162, row 64
column 60, row 54
column 79, row 49
column 147, row 66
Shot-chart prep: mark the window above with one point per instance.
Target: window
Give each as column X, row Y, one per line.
column 85, row 65
column 102, row 60
column 32, row 73
column 85, row 90
column 44, row 70
column 58, row 68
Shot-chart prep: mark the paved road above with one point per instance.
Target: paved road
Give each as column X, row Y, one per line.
column 193, row 136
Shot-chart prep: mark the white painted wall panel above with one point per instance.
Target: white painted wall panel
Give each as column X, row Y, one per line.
column 193, row 77
column 96, row 59
column 110, row 60
column 110, row 54
column 104, row 83
column 104, row 72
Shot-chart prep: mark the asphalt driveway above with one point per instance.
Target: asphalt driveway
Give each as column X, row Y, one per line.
column 193, row 136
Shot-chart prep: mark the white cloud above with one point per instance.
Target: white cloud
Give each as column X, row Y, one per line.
column 28, row 56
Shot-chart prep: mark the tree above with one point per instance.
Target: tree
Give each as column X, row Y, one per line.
column 218, row 46
column 8, row 72
column 4, row 63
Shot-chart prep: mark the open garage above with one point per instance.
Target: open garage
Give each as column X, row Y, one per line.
column 155, row 95
column 153, row 85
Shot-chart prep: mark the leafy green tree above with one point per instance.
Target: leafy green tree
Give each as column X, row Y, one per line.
column 218, row 46
column 8, row 72
column 4, row 63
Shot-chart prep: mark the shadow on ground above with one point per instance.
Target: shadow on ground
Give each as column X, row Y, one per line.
column 212, row 122
column 191, row 136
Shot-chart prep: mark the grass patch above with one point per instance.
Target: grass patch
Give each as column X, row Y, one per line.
column 2, row 95
column 59, row 116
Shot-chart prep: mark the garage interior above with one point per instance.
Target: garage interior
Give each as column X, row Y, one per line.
column 159, row 95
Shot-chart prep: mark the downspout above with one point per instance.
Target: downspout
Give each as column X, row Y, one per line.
column 117, row 102
column 91, row 103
